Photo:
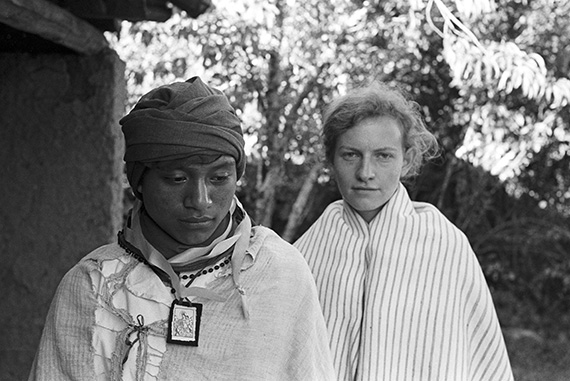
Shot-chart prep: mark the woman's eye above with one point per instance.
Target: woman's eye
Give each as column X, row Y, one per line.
column 349, row 155
column 384, row 155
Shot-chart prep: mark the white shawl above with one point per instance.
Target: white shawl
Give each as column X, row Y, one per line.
column 109, row 293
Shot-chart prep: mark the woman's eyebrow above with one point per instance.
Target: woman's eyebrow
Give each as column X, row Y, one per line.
column 386, row 148
column 348, row 148
column 378, row 149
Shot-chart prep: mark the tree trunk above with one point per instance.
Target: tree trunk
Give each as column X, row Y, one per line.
column 265, row 204
column 445, row 184
column 300, row 203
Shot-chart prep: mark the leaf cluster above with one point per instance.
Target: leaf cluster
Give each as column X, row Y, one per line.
column 494, row 88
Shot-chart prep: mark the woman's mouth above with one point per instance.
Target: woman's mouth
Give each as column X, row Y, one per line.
column 365, row 189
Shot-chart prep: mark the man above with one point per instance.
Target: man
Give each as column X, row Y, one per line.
column 190, row 290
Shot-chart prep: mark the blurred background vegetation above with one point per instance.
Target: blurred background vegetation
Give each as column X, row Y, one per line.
column 493, row 80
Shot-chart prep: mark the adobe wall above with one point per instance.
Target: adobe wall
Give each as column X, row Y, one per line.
column 60, row 183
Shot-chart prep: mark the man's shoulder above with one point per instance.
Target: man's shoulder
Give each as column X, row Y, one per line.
column 267, row 239
column 266, row 242
column 105, row 252
column 79, row 276
column 280, row 263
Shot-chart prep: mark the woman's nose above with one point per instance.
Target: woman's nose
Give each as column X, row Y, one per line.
column 197, row 195
column 366, row 170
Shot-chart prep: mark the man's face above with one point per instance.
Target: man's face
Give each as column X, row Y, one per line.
column 189, row 200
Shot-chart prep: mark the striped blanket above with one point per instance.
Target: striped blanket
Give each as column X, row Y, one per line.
column 404, row 296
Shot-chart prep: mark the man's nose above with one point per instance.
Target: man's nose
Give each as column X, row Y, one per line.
column 197, row 195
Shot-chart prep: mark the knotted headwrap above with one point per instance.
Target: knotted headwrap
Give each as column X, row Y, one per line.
column 180, row 120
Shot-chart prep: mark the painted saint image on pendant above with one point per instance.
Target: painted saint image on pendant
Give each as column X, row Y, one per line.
column 184, row 323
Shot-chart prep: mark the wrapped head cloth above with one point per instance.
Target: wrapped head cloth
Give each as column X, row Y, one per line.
column 180, row 120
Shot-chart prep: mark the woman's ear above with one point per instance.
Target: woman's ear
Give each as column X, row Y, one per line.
column 409, row 160
column 329, row 168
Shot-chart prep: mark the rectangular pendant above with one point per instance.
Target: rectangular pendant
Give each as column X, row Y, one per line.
column 184, row 323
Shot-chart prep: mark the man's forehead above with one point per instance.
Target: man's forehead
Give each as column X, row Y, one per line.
column 198, row 161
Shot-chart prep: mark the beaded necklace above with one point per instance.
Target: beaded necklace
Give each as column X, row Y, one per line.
column 185, row 315
column 192, row 277
column 134, row 252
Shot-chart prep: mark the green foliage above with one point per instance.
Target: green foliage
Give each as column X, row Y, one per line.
column 515, row 92
column 523, row 248
column 492, row 77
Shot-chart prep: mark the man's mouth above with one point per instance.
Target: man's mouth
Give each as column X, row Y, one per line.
column 199, row 221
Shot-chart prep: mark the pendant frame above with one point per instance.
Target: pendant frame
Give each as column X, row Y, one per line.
column 184, row 323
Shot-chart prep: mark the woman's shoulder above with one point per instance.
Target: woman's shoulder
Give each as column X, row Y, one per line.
column 333, row 212
column 333, row 208
column 429, row 212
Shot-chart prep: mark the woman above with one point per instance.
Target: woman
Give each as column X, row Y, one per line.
column 401, row 289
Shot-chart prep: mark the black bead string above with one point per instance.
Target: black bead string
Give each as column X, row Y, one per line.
column 138, row 256
column 192, row 277
column 123, row 243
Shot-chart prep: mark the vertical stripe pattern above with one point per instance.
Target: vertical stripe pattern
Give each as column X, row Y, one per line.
column 404, row 296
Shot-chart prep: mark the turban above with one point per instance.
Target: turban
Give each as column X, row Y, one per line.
column 180, row 120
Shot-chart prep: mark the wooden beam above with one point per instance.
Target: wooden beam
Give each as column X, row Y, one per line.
column 53, row 23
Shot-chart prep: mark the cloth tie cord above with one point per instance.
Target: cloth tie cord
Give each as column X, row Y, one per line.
column 125, row 345
column 243, row 231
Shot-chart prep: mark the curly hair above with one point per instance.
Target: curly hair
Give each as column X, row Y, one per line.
column 378, row 99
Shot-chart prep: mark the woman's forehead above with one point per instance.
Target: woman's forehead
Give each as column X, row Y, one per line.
column 380, row 130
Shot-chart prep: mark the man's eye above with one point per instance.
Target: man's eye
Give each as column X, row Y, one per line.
column 175, row 179
column 220, row 178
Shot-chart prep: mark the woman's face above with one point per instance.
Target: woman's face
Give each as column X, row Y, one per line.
column 369, row 161
column 189, row 200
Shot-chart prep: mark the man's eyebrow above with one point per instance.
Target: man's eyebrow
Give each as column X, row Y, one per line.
column 225, row 165
column 224, row 162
